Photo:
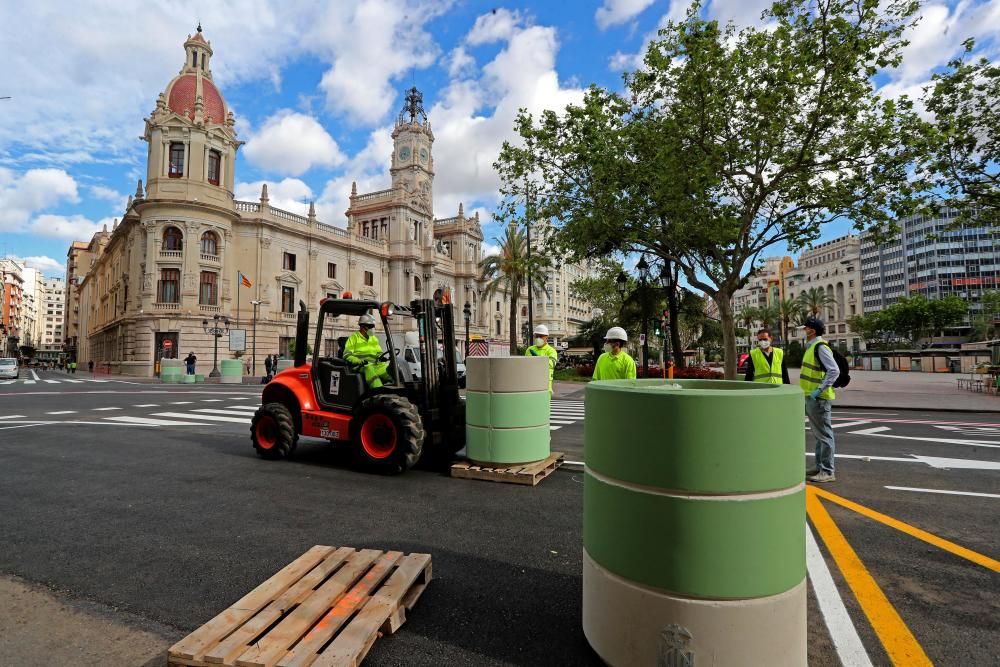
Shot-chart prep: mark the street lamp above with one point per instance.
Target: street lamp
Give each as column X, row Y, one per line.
column 667, row 283
column 643, row 268
column 253, row 353
column 220, row 326
column 621, row 282
column 467, row 313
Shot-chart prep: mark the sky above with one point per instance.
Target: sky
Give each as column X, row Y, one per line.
column 316, row 85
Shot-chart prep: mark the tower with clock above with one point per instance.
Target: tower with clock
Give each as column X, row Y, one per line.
column 412, row 163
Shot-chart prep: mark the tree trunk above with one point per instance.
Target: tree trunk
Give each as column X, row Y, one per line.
column 513, row 321
column 675, row 329
column 722, row 300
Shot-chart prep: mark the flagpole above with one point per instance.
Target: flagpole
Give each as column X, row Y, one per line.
column 239, row 284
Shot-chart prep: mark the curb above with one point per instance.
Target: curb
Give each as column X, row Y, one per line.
column 916, row 409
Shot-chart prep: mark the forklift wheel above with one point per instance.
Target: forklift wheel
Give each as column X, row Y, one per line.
column 388, row 434
column 273, row 431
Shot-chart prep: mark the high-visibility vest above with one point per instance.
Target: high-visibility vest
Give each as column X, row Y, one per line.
column 812, row 375
column 764, row 372
column 545, row 351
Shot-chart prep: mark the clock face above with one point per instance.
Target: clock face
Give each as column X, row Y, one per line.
column 423, row 155
column 404, row 153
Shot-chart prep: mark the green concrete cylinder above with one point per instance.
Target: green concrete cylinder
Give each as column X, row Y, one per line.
column 171, row 370
column 507, row 410
column 232, row 371
column 198, row 377
column 694, row 522
column 188, row 379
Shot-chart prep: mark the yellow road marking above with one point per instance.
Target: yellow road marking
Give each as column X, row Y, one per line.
column 930, row 538
column 897, row 639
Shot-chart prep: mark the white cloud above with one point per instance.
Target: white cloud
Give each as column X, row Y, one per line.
column 292, row 143
column 497, row 26
column 616, row 12
column 460, row 62
column 67, row 227
column 289, row 194
column 46, row 265
column 35, row 190
column 740, row 12
column 621, row 61
column 108, row 194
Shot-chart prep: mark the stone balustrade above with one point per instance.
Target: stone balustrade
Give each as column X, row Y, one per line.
column 373, row 196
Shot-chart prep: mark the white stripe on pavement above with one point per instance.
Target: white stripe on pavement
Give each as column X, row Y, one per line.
column 215, row 418
column 147, row 405
column 220, row 411
column 555, row 428
column 12, row 417
column 950, row 493
column 73, row 381
column 993, row 444
column 34, row 375
column 871, row 431
column 211, row 400
column 557, row 421
column 103, row 409
column 180, row 403
column 51, row 381
column 29, row 382
column 8, row 382
column 845, row 637
column 62, row 412
column 242, row 408
column 153, row 422
column 846, row 424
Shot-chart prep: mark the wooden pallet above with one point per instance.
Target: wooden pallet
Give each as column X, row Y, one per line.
column 325, row 608
column 532, row 473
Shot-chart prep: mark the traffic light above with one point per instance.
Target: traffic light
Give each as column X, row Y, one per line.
column 657, row 330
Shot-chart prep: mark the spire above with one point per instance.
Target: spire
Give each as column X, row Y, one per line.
column 129, row 205
column 312, row 210
column 199, row 26
column 263, row 194
column 138, row 190
column 461, row 210
column 114, row 225
column 413, row 107
column 354, row 188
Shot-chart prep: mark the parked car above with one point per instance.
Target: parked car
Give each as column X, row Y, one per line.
column 9, row 369
column 741, row 367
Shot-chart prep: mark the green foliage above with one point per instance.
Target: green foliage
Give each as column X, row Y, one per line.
column 793, row 354
column 910, row 319
column 508, row 272
column 789, row 310
column 727, row 143
column 291, row 349
column 959, row 163
column 815, row 300
column 983, row 327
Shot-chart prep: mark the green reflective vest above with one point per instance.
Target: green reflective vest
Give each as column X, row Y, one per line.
column 545, row 351
column 359, row 349
column 614, row 367
column 812, row 375
column 764, row 372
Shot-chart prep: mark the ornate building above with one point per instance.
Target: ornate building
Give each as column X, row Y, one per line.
column 184, row 246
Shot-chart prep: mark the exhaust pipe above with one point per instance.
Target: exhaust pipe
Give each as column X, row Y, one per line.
column 301, row 334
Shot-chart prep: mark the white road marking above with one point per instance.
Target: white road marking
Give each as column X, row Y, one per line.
column 73, row 381
column 871, row 431
column 8, row 382
column 555, row 428
column 244, row 408
column 62, row 412
column 154, row 422
column 574, row 463
column 12, row 417
column 949, row 493
column 147, row 405
column 29, row 382
column 563, row 423
column 51, row 381
column 960, row 464
column 34, row 375
column 216, row 418
column 7, row 428
column 846, row 424
column 863, row 413
column 211, row 400
column 845, row 637
column 218, row 411
column 239, row 398
column 860, row 457
column 948, row 441
column 180, row 403
column 104, row 409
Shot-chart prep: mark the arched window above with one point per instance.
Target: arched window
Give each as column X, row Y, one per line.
column 173, row 239
column 176, row 159
column 208, row 292
column 214, row 166
column 417, row 286
column 209, row 244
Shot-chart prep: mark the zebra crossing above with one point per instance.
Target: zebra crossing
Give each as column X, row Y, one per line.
column 565, row 413
column 43, row 381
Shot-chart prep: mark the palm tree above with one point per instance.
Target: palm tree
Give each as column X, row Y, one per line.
column 768, row 315
column 747, row 317
column 508, row 272
column 788, row 310
column 814, row 300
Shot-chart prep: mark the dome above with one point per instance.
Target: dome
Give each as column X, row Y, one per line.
column 182, row 93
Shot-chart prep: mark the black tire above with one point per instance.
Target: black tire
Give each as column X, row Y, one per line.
column 272, row 430
column 387, row 434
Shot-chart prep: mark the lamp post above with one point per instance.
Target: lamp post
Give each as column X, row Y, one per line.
column 467, row 313
column 253, row 353
column 667, row 283
column 643, row 268
column 220, row 326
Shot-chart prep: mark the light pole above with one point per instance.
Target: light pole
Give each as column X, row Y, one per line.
column 220, row 326
column 467, row 312
column 667, row 283
column 253, row 353
column 643, row 268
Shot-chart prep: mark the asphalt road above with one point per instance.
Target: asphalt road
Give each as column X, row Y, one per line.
column 159, row 509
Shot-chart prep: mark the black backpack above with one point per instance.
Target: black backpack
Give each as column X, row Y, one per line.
column 845, row 369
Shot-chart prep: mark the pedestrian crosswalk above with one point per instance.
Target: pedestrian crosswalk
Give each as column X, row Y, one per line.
column 565, row 413
column 43, row 381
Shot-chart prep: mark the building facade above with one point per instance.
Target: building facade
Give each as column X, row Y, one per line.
column 928, row 258
column 12, row 329
column 185, row 252
column 834, row 267
column 51, row 320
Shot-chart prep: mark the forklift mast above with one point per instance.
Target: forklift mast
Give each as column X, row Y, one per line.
column 440, row 381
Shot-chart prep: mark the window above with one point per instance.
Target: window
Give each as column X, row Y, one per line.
column 417, row 286
column 288, row 261
column 208, row 292
column 331, row 270
column 369, row 279
column 209, row 244
column 330, row 348
column 498, row 327
column 498, row 306
column 176, row 159
column 214, row 161
column 204, row 59
column 167, row 290
column 173, row 239
column 288, row 299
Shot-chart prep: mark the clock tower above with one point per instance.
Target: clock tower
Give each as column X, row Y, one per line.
column 412, row 163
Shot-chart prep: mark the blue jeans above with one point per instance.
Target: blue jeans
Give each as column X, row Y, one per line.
column 820, row 416
column 190, row 369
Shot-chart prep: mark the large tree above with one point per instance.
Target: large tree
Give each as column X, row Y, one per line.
column 507, row 272
column 727, row 143
column 960, row 160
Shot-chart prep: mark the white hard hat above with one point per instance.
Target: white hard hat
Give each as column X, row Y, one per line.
column 366, row 319
column 616, row 333
column 541, row 330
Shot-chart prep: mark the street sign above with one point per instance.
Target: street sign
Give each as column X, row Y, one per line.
column 167, row 344
column 642, row 339
column 237, row 340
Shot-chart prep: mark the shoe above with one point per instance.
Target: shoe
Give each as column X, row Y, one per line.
column 811, row 472
column 822, row 477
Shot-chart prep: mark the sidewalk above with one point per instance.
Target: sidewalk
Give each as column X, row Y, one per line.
column 937, row 392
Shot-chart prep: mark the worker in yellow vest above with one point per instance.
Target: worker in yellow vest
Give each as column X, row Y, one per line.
column 767, row 363
column 615, row 363
column 541, row 348
column 363, row 349
column 819, row 372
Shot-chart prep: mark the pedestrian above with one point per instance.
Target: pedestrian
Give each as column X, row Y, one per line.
column 189, row 361
column 90, row 366
column 541, row 348
column 363, row 351
column 615, row 363
column 72, row 367
column 819, row 372
column 767, row 363
column 268, row 364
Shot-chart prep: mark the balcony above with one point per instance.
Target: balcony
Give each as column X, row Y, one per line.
column 172, row 254
column 286, row 316
column 210, row 258
column 209, row 308
column 166, row 306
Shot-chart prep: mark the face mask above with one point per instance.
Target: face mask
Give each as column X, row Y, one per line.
column 764, row 344
column 609, row 348
column 539, row 342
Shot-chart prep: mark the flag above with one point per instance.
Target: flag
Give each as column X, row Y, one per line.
column 245, row 281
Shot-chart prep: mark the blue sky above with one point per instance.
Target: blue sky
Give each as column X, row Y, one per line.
column 315, row 87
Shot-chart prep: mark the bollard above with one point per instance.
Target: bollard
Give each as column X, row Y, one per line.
column 231, row 371
column 171, row 370
column 507, row 410
column 694, row 523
